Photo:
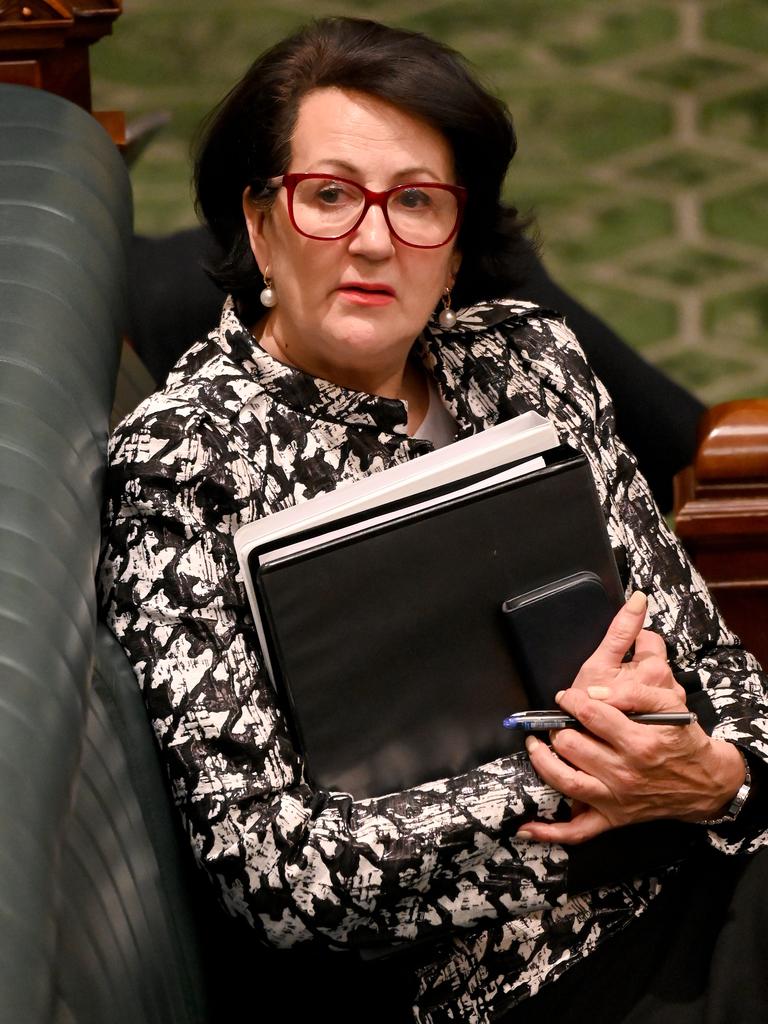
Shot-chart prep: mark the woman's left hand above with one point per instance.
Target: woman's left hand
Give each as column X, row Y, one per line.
column 620, row 772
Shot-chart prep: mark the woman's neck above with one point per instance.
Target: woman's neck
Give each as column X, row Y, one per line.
column 407, row 382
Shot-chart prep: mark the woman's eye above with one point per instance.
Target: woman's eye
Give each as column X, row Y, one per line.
column 332, row 195
column 413, row 199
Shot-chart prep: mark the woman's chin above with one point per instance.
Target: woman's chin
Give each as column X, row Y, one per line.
column 367, row 336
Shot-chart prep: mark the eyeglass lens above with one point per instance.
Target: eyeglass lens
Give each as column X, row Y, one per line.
column 419, row 215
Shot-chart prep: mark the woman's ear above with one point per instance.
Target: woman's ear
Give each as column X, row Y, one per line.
column 255, row 222
column 454, row 267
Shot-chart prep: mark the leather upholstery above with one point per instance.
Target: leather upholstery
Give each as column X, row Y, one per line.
column 94, row 922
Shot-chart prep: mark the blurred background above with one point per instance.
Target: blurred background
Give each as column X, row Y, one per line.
column 643, row 146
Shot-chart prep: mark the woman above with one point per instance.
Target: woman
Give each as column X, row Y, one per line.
column 354, row 179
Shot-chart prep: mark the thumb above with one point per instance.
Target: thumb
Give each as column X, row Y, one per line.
column 621, row 634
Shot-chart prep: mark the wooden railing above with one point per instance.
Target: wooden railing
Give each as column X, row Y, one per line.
column 721, row 509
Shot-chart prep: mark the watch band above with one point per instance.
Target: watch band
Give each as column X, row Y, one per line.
column 738, row 801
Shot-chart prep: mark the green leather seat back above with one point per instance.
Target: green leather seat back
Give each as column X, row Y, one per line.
column 94, row 918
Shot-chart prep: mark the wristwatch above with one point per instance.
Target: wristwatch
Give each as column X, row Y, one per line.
column 738, row 801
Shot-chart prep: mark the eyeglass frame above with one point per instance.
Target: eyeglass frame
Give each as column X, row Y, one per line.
column 290, row 180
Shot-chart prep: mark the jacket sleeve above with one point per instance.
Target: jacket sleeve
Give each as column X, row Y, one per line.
column 706, row 657
column 299, row 864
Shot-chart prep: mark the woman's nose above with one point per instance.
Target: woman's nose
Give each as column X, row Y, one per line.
column 372, row 237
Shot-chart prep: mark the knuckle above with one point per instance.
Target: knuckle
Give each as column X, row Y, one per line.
column 587, row 715
column 578, row 786
column 571, row 698
column 653, row 696
column 631, row 693
column 646, row 696
column 644, row 750
column 625, row 778
column 566, row 741
column 578, row 835
column 657, row 672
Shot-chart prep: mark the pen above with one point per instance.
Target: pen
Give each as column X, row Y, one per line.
column 540, row 721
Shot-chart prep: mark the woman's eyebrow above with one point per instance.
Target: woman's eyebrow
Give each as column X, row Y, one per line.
column 415, row 173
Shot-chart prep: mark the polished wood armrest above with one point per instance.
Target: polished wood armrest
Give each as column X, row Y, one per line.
column 721, row 515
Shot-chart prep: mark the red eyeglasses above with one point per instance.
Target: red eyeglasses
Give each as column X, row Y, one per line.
column 423, row 214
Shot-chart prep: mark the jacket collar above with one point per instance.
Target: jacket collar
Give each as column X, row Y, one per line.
column 470, row 364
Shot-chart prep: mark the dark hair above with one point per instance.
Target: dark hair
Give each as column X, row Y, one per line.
column 248, row 136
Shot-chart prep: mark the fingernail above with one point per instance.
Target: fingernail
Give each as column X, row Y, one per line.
column 558, row 695
column 524, row 835
column 531, row 743
column 599, row 692
column 637, row 602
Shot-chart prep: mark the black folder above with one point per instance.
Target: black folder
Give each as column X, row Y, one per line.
column 389, row 644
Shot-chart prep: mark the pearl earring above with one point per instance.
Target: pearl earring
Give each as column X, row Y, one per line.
column 447, row 317
column 268, row 296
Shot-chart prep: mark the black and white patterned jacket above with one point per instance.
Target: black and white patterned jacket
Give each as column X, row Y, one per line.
column 235, row 435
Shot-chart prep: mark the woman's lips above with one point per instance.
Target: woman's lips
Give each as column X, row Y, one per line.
column 364, row 294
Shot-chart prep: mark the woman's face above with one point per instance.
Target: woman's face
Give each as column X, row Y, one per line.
column 351, row 308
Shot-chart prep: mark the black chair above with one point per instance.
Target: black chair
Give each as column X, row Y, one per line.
column 95, row 921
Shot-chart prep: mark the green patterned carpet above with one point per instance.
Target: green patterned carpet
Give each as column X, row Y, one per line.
column 643, row 132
